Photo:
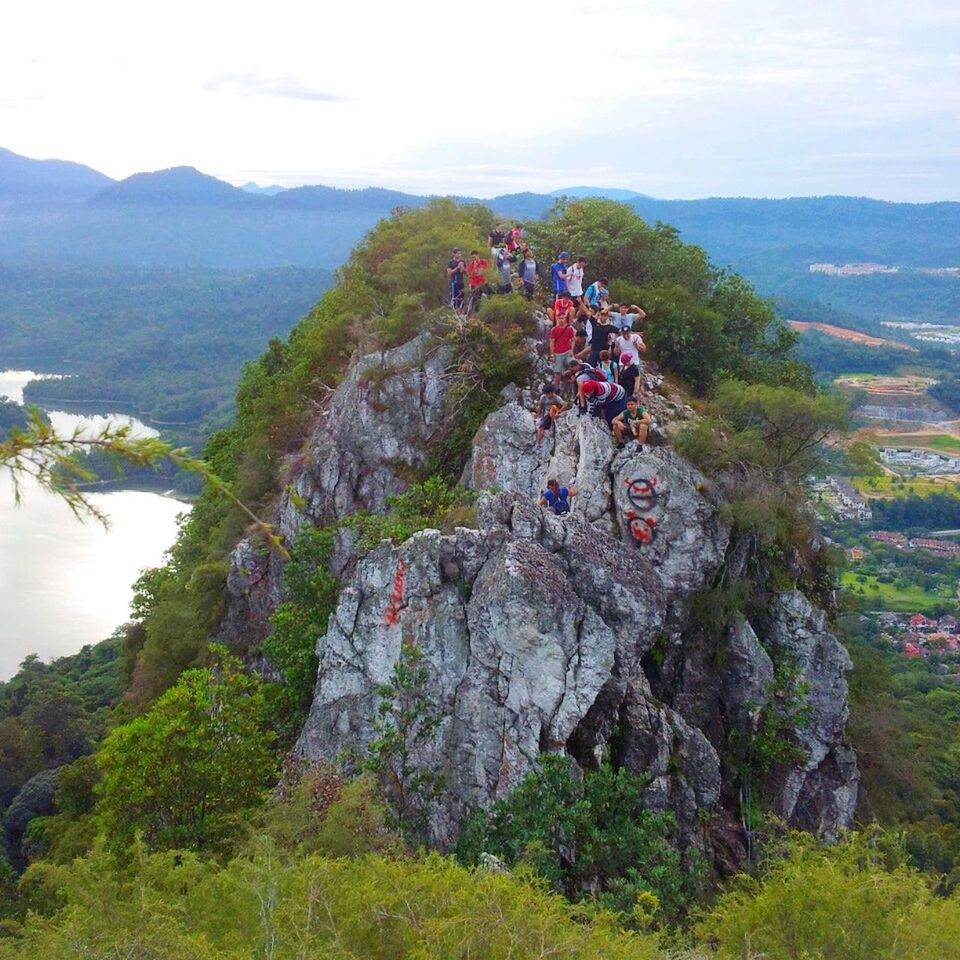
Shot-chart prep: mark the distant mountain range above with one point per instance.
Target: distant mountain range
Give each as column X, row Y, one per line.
column 56, row 212
column 24, row 180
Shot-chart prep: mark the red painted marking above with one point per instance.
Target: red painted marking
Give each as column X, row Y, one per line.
column 396, row 597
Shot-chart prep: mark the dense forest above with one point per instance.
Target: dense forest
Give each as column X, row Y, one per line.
column 168, row 344
column 143, row 813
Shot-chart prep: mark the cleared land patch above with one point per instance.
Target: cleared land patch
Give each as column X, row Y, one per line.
column 890, row 487
column 912, row 599
column 938, row 442
column 845, row 333
column 879, row 385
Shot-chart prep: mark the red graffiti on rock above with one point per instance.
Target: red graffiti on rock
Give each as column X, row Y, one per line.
column 396, row 597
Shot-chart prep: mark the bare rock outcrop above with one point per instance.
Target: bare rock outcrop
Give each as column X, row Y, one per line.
column 374, row 430
column 541, row 633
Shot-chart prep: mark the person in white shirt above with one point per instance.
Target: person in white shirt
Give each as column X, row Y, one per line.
column 630, row 343
column 575, row 280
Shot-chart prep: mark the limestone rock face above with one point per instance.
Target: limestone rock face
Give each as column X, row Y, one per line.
column 545, row 633
column 375, row 427
column 819, row 793
column 543, row 652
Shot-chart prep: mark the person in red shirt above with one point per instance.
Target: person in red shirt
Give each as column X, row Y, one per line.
column 562, row 307
column 561, row 340
column 477, row 268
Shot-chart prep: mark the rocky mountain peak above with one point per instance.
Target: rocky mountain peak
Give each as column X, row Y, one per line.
column 546, row 633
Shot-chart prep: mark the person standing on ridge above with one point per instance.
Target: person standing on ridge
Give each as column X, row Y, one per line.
column 503, row 260
column 477, row 272
column 495, row 238
column 561, row 340
column 528, row 274
column 597, row 293
column 575, row 280
column 558, row 273
column 456, row 269
column 625, row 317
column 603, row 330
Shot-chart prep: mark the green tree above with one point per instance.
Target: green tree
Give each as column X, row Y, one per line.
column 406, row 721
column 297, row 624
column 847, row 902
column 591, row 837
column 181, row 773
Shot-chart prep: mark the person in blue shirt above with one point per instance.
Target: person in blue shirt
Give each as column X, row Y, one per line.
column 597, row 294
column 559, row 274
column 557, row 497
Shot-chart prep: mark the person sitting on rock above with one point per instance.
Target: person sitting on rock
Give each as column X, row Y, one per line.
column 562, row 308
column 631, row 424
column 557, row 497
column 549, row 407
column 606, row 398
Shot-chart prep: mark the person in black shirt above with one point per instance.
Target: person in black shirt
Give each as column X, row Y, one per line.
column 495, row 238
column 629, row 373
column 456, row 271
column 600, row 338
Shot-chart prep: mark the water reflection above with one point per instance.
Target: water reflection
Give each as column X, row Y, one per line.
column 64, row 584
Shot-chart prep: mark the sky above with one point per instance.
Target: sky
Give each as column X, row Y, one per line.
column 674, row 98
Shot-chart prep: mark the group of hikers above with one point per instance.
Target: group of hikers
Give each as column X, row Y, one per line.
column 594, row 350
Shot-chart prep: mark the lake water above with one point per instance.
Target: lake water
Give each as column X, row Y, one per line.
column 63, row 583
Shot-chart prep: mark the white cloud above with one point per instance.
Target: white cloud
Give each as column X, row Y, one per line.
column 681, row 97
column 253, row 84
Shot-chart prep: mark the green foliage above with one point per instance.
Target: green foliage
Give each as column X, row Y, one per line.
column 168, row 344
column 834, row 903
column 936, row 511
column 775, row 429
column 702, row 323
column 787, row 709
column 12, row 415
column 491, row 351
column 761, row 441
column 862, row 459
column 182, row 773
column 905, row 726
column 406, row 720
column 298, row 622
column 319, row 812
column 173, row 906
column 590, row 837
column 51, row 714
column 428, row 504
